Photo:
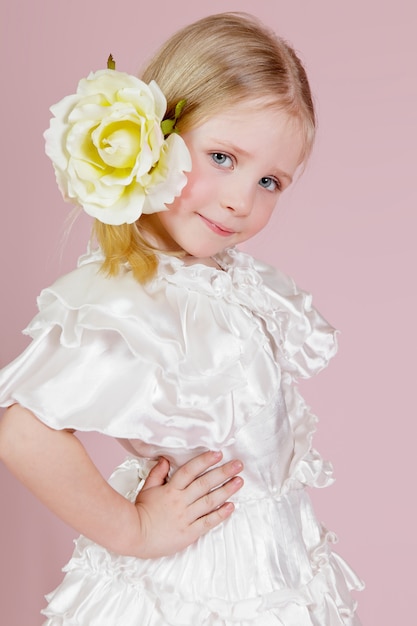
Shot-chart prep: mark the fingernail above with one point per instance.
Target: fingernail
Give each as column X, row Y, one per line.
column 217, row 454
column 237, row 466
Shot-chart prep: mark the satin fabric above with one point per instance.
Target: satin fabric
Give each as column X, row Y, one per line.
column 199, row 358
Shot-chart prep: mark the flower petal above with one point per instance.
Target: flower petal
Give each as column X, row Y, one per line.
column 108, row 149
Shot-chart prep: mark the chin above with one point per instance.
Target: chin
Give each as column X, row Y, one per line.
column 203, row 252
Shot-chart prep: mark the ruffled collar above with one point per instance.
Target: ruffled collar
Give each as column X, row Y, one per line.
column 304, row 340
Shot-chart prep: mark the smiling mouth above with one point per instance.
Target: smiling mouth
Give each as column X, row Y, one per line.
column 216, row 228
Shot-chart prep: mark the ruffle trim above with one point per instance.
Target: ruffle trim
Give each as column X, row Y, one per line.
column 307, row 467
column 317, row 604
column 95, row 578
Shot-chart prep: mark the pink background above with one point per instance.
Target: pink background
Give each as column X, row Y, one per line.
column 346, row 232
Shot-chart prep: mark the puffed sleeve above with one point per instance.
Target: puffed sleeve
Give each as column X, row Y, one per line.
column 130, row 361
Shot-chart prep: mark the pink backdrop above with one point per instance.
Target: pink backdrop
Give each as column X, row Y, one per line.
column 346, row 232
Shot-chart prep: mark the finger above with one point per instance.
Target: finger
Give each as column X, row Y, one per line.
column 214, row 499
column 202, row 525
column 188, row 472
column 212, row 479
column 158, row 474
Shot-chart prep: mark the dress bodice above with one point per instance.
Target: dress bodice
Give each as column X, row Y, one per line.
column 198, row 358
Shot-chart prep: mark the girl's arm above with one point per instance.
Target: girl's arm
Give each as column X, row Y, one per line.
column 166, row 518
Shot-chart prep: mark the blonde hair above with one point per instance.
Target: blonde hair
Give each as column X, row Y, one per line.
column 218, row 60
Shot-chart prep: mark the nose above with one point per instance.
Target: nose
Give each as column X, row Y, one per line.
column 238, row 197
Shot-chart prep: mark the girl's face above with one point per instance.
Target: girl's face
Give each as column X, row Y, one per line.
column 242, row 160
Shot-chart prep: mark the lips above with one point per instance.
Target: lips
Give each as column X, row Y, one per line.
column 217, row 228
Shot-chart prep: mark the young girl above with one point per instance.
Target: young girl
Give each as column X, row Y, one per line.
column 170, row 339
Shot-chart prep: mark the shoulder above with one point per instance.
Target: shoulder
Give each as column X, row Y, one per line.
column 88, row 285
column 86, row 303
column 181, row 308
column 89, row 290
column 305, row 341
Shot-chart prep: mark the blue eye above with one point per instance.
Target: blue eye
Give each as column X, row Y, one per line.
column 221, row 159
column 267, row 182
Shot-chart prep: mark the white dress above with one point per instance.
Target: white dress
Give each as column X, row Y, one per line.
column 199, row 358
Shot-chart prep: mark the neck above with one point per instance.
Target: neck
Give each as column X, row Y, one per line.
column 151, row 230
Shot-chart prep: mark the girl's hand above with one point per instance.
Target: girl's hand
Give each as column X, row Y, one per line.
column 167, row 517
column 174, row 514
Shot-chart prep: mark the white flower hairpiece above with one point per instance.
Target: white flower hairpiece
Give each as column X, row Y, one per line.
column 109, row 148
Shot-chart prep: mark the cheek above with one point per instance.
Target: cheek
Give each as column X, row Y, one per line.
column 196, row 182
column 261, row 219
column 201, row 183
column 200, row 190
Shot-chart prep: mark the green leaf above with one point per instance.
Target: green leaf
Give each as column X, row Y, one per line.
column 179, row 108
column 167, row 126
column 111, row 65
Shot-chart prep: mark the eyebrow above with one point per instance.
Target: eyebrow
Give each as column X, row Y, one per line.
column 234, row 148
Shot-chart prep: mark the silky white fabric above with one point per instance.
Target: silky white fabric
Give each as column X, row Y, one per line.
column 199, row 358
